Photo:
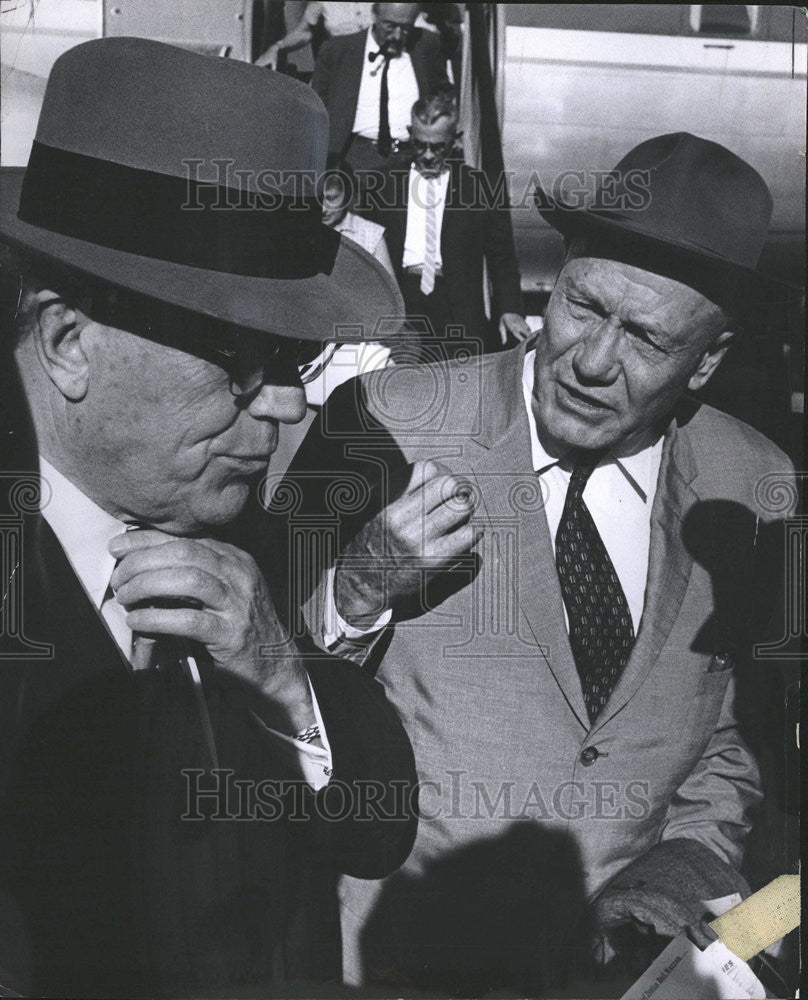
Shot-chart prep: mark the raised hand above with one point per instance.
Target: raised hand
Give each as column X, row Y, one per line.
column 420, row 535
column 216, row 596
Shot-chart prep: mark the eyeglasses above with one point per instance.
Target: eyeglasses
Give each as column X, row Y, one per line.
column 390, row 26
column 248, row 373
column 250, row 360
column 434, row 147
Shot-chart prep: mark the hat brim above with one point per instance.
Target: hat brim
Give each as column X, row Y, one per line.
column 345, row 305
column 573, row 221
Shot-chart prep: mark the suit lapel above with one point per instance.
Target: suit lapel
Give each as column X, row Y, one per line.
column 63, row 614
column 669, row 566
column 511, row 505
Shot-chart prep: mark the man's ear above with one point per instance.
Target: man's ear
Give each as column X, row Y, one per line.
column 57, row 338
column 710, row 361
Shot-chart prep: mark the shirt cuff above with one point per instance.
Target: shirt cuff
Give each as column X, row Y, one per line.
column 336, row 630
column 315, row 762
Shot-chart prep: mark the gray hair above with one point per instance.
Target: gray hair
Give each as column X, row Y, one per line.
column 440, row 104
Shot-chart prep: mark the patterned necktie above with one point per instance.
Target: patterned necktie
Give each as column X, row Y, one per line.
column 600, row 626
column 384, row 143
column 430, row 239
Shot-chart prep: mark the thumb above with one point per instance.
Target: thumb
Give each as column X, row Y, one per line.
column 425, row 470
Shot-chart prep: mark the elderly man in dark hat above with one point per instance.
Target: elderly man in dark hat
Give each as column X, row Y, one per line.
column 557, row 575
column 179, row 783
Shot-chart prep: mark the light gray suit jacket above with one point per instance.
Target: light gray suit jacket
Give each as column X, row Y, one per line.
column 487, row 686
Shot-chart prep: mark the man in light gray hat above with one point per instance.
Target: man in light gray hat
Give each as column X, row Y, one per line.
column 178, row 783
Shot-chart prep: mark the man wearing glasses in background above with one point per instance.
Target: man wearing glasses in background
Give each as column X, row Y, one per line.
column 369, row 80
column 440, row 224
column 157, row 724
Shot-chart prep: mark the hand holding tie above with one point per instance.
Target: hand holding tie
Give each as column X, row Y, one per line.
column 221, row 601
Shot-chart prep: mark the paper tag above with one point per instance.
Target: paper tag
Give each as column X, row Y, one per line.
column 683, row 970
column 718, row 907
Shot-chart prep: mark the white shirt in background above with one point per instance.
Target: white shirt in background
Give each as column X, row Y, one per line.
column 419, row 190
column 402, row 89
column 340, row 18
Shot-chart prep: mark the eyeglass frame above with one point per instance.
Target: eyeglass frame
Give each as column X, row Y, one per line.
column 112, row 306
column 419, row 146
column 256, row 380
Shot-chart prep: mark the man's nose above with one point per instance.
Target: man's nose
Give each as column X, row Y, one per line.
column 596, row 358
column 286, row 403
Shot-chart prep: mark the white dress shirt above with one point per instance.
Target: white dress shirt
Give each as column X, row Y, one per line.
column 340, row 18
column 84, row 530
column 422, row 191
column 619, row 495
column 402, row 88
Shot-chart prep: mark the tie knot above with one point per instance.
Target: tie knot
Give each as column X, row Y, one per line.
column 581, row 471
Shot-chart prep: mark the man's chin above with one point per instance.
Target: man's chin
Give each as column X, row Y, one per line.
column 574, row 433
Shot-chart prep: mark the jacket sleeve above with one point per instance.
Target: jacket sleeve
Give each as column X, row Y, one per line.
column 699, row 853
column 370, row 804
column 714, row 804
column 503, row 266
column 323, row 70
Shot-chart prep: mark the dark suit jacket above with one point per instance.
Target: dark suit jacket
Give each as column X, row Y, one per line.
column 117, row 894
column 338, row 74
column 474, row 227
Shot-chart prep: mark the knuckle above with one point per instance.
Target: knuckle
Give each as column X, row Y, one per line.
column 184, row 550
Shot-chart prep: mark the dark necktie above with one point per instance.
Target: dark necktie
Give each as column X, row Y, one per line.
column 384, row 143
column 600, row 626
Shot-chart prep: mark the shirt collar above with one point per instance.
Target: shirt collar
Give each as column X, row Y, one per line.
column 640, row 468
column 417, row 177
column 83, row 530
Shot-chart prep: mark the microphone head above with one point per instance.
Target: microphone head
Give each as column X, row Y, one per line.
column 373, row 56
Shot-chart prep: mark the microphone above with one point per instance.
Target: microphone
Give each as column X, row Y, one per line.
column 373, row 56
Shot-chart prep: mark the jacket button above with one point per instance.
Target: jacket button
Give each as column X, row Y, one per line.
column 589, row 755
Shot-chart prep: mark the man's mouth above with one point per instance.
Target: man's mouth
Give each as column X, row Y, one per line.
column 581, row 402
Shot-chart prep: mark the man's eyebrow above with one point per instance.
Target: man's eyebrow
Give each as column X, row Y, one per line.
column 645, row 326
column 571, row 284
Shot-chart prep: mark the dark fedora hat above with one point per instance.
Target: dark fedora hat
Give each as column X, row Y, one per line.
column 678, row 193
column 192, row 180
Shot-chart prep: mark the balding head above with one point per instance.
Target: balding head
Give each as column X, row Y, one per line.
column 392, row 26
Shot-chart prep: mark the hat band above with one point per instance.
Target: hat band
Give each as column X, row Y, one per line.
column 176, row 219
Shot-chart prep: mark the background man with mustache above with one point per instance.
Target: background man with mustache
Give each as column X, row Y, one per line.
column 369, row 80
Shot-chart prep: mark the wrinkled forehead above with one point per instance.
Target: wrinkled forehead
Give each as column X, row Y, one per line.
column 398, row 13
column 440, row 130
column 629, row 275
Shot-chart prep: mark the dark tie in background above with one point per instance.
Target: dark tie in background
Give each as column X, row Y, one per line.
column 600, row 627
column 384, row 144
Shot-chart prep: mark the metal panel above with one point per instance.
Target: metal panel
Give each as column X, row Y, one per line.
column 209, row 26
